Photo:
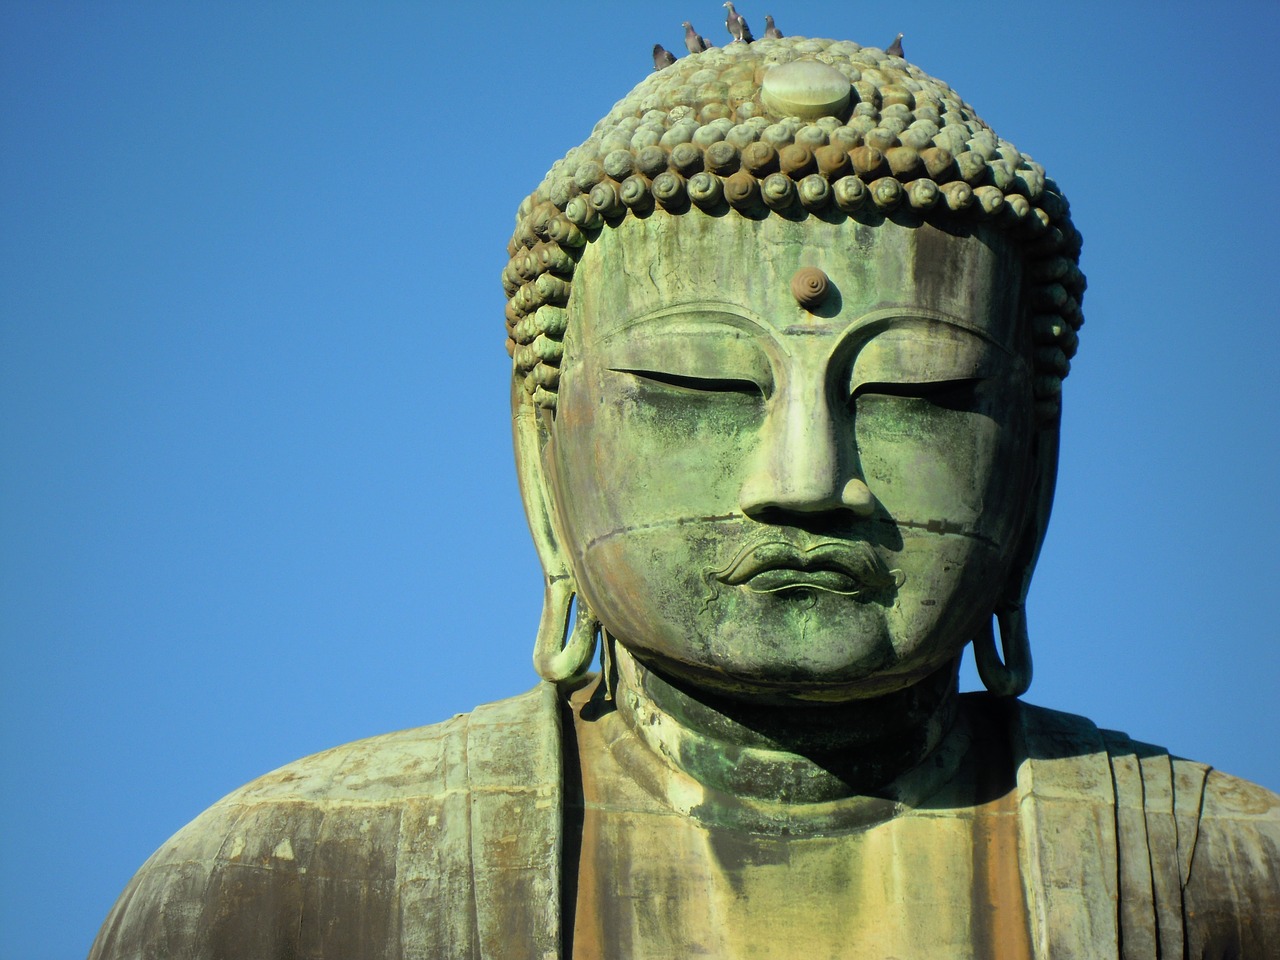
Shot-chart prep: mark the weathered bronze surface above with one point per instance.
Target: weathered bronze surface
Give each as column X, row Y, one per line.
column 789, row 333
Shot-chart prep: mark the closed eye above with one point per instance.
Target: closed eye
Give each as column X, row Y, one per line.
column 943, row 393
column 700, row 384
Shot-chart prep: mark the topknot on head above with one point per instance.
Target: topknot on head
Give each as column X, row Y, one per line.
column 795, row 127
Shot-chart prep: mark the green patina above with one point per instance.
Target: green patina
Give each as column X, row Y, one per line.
column 788, row 336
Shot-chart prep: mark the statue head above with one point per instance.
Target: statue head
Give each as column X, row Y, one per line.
column 789, row 332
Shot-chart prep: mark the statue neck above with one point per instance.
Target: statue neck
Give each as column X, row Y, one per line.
column 796, row 754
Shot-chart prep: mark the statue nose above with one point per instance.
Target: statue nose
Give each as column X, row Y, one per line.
column 804, row 463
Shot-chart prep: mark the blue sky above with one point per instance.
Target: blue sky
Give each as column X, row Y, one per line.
column 256, row 494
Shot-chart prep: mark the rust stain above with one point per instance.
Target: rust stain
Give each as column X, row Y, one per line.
column 589, row 935
column 1000, row 920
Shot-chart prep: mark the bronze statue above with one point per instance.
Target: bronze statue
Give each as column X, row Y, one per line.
column 789, row 333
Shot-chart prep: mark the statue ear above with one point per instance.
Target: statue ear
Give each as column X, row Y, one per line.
column 557, row 656
column 1012, row 676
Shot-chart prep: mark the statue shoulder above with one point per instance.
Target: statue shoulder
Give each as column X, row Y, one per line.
column 373, row 839
column 1061, row 746
column 1232, row 881
column 1196, row 852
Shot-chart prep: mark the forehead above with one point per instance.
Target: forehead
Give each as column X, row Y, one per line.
column 972, row 277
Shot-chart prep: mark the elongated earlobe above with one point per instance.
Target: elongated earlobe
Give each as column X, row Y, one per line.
column 560, row 654
column 1012, row 676
column 563, row 651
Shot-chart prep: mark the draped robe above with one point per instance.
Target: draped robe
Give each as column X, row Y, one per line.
column 463, row 840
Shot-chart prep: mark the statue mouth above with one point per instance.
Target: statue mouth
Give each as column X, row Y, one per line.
column 849, row 568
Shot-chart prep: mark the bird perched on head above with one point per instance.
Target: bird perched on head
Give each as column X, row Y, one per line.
column 692, row 40
column 895, row 49
column 771, row 29
column 736, row 25
column 662, row 57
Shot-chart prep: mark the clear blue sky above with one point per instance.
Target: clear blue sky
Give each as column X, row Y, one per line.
column 256, row 496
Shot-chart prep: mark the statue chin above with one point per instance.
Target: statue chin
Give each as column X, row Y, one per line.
column 807, row 717
column 778, row 683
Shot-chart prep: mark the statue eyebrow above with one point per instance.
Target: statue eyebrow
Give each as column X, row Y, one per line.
column 890, row 317
column 694, row 314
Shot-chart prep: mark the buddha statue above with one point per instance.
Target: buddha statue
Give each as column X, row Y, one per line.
column 789, row 332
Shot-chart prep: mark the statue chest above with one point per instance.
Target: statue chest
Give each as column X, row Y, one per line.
column 653, row 883
column 918, row 886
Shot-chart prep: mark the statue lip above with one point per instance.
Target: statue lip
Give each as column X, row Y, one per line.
column 846, row 567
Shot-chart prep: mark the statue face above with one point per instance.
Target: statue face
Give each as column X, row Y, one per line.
column 783, row 502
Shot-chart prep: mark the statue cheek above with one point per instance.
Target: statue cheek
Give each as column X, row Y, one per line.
column 630, row 454
column 963, row 469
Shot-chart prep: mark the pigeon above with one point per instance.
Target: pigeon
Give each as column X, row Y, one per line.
column 895, row 49
column 771, row 29
column 736, row 25
column 662, row 57
column 692, row 40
